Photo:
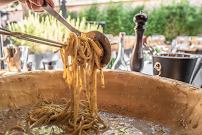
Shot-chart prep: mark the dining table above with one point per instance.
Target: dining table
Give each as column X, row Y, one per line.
column 190, row 50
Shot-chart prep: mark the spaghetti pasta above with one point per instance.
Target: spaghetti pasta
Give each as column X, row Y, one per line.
column 83, row 50
column 77, row 116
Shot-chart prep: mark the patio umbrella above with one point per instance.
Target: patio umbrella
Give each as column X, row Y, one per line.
column 64, row 9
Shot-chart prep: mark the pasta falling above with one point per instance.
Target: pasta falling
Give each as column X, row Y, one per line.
column 83, row 51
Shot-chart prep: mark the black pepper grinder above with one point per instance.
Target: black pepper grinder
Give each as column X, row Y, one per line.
column 137, row 60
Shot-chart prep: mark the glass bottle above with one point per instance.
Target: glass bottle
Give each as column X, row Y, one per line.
column 120, row 62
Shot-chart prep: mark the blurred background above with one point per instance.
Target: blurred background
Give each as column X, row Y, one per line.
column 173, row 26
column 168, row 18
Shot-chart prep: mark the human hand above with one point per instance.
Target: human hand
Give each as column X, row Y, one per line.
column 35, row 5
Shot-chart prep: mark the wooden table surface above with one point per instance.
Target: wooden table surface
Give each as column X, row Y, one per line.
column 190, row 50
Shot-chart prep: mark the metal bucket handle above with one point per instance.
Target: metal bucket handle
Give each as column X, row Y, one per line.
column 158, row 67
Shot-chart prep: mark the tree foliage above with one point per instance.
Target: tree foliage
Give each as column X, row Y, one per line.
column 170, row 20
column 174, row 20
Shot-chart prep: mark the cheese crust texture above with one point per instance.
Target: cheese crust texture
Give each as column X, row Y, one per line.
column 173, row 103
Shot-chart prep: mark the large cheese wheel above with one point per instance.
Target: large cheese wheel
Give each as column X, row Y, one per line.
column 172, row 103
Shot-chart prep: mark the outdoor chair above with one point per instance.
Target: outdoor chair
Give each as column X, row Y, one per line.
column 155, row 40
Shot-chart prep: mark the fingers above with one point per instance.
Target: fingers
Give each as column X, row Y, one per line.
column 37, row 2
column 36, row 8
column 35, row 5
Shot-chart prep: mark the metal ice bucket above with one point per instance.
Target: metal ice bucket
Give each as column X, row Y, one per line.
column 175, row 66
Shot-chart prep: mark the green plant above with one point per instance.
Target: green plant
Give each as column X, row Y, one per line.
column 169, row 20
column 118, row 17
column 179, row 18
column 92, row 13
column 110, row 64
column 157, row 50
column 174, row 20
column 47, row 27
